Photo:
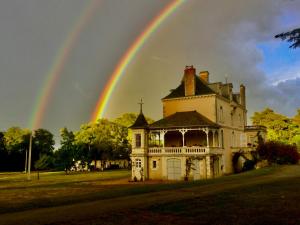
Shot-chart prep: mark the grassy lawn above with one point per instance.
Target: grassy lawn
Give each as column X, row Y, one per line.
column 266, row 196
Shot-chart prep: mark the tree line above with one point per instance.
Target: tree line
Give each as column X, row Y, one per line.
column 108, row 140
column 280, row 128
column 104, row 140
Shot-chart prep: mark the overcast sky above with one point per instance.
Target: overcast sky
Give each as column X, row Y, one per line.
column 228, row 37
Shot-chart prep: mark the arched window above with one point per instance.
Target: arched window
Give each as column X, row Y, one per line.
column 221, row 114
column 222, row 139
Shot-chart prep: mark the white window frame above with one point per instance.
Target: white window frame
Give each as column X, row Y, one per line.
column 138, row 163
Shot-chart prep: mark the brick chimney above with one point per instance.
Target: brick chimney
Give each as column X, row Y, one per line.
column 243, row 95
column 189, row 81
column 204, row 76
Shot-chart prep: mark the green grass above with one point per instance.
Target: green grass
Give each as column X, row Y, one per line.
column 57, row 188
column 265, row 196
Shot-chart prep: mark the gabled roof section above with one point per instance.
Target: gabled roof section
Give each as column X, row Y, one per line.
column 201, row 89
column 140, row 123
column 183, row 119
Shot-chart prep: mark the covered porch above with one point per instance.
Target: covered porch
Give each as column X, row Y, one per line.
column 185, row 141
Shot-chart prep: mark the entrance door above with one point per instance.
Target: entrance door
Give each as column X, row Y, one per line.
column 196, row 169
column 174, row 169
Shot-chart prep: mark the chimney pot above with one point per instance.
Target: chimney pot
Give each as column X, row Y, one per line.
column 243, row 95
column 204, row 76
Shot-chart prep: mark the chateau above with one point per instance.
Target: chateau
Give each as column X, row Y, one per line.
column 203, row 125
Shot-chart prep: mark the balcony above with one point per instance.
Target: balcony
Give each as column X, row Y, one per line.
column 195, row 150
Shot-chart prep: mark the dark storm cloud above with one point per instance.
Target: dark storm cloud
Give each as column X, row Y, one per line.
column 289, row 90
column 219, row 36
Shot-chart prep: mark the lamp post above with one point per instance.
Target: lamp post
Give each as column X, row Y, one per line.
column 26, row 159
column 29, row 157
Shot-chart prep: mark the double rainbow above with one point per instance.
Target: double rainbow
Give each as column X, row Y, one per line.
column 44, row 96
column 128, row 57
column 52, row 78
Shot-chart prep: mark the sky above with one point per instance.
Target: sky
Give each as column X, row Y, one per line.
column 81, row 42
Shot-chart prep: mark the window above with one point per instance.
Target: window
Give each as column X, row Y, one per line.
column 154, row 165
column 138, row 140
column 222, row 139
column 138, row 163
column 221, row 114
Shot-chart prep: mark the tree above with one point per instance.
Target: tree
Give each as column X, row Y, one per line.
column 16, row 139
column 103, row 140
column 291, row 36
column 96, row 138
column 279, row 127
column 296, row 118
column 66, row 154
column 43, row 142
column 16, row 142
column 43, row 163
column 3, row 153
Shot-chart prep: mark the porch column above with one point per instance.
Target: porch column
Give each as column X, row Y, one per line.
column 214, row 132
column 219, row 138
column 208, row 167
column 162, row 135
column 183, row 131
column 207, row 141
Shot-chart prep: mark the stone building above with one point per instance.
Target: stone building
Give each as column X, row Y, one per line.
column 203, row 125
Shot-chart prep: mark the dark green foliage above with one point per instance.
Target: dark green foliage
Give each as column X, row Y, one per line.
column 104, row 140
column 14, row 143
column 3, row 153
column 279, row 153
column 42, row 144
column 249, row 165
column 292, row 37
column 66, row 154
column 43, row 163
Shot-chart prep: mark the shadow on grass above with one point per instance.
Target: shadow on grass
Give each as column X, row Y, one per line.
column 115, row 191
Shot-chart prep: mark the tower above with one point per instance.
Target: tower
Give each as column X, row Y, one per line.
column 139, row 160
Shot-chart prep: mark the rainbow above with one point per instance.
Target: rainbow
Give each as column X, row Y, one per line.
column 128, row 57
column 54, row 73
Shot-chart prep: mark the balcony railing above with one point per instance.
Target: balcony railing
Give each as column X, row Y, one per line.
column 195, row 150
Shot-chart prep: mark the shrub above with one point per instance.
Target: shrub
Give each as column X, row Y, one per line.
column 279, row 153
column 248, row 165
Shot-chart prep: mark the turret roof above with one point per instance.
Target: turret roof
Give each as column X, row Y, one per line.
column 140, row 122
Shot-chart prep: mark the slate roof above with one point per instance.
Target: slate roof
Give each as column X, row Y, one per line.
column 140, row 122
column 201, row 89
column 183, row 119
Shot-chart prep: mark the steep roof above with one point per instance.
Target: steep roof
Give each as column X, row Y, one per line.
column 201, row 89
column 140, row 122
column 183, row 119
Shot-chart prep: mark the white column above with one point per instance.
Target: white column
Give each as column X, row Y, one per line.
column 162, row 135
column 214, row 131
column 183, row 131
column 207, row 132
